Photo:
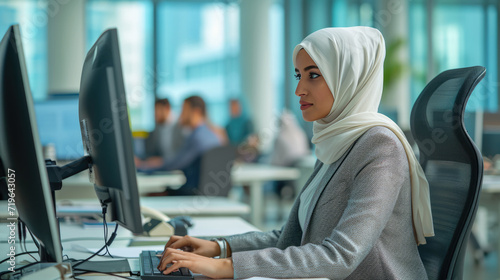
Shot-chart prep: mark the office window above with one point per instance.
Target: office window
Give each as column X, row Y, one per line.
column 135, row 30
column 459, row 43
column 418, row 49
column 456, row 43
column 353, row 13
column 32, row 17
column 198, row 53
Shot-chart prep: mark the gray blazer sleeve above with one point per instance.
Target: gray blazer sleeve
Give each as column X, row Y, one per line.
column 253, row 240
column 379, row 168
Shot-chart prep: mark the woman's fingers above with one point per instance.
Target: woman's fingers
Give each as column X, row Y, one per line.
column 167, row 258
column 183, row 242
column 191, row 244
column 172, row 239
column 169, row 255
column 176, row 265
column 197, row 264
column 180, row 242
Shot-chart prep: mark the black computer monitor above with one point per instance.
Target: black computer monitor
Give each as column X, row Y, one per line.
column 21, row 151
column 106, row 134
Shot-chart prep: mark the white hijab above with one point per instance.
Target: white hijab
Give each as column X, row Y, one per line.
column 351, row 61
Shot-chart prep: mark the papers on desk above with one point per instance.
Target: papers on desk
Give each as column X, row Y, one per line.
column 126, row 252
column 219, row 226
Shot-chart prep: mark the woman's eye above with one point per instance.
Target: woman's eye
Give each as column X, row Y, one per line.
column 313, row 75
column 297, row 77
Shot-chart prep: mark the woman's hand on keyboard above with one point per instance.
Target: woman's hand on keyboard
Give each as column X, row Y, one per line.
column 214, row 268
column 195, row 245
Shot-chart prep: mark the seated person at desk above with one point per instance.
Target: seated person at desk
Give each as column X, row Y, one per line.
column 365, row 208
column 188, row 156
column 167, row 137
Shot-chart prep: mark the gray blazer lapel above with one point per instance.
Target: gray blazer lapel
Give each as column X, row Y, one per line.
column 322, row 185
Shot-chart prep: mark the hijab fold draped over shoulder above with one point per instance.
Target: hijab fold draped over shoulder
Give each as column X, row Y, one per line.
column 351, row 61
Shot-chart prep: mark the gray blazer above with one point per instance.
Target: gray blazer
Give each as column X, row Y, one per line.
column 359, row 224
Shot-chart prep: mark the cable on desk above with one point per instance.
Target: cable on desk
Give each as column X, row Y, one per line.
column 22, row 229
column 113, row 235
column 90, row 239
column 16, row 255
column 19, row 270
column 105, row 224
column 83, row 238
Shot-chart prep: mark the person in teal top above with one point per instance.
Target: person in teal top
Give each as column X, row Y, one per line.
column 239, row 126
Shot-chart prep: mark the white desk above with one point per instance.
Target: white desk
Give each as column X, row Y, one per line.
column 255, row 175
column 79, row 185
column 172, row 206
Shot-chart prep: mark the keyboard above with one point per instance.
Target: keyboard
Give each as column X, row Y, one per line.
column 149, row 271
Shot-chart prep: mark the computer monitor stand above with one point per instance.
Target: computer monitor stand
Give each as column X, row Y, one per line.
column 56, row 174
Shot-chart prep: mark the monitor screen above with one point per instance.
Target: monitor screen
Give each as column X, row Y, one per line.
column 21, row 151
column 106, row 133
column 58, row 125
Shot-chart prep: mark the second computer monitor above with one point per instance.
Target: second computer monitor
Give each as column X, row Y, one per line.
column 106, row 133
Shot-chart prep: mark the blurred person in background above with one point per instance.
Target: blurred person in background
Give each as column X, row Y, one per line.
column 291, row 143
column 220, row 132
column 187, row 158
column 239, row 127
column 167, row 137
column 290, row 146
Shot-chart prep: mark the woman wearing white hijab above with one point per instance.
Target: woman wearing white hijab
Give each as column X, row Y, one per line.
column 365, row 208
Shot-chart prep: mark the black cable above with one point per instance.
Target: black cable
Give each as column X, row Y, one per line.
column 95, row 271
column 113, row 235
column 105, row 225
column 24, row 243
column 78, row 238
column 90, row 239
column 106, row 239
column 19, row 270
column 5, row 272
column 16, row 255
column 34, row 239
column 22, row 229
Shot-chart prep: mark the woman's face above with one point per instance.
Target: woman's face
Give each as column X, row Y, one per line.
column 316, row 100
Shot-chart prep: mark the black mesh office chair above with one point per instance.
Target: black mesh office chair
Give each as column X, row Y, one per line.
column 453, row 166
column 215, row 171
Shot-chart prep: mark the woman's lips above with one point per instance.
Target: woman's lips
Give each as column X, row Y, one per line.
column 305, row 105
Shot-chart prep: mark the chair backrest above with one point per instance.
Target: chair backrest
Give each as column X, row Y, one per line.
column 453, row 166
column 215, row 171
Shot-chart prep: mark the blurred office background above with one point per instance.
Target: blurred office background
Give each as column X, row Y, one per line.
column 229, row 49
column 242, row 49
